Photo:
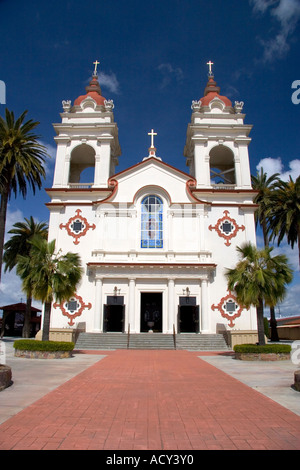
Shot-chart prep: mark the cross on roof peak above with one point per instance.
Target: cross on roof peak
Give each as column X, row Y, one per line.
column 152, row 134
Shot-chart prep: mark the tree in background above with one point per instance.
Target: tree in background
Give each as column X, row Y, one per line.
column 259, row 278
column 21, row 163
column 284, row 213
column 265, row 187
column 49, row 276
column 18, row 245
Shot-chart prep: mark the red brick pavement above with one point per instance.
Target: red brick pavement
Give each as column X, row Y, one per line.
column 155, row 400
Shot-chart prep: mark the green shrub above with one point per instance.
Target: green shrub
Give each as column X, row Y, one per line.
column 265, row 349
column 34, row 345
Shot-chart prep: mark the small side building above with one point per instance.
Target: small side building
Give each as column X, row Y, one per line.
column 12, row 321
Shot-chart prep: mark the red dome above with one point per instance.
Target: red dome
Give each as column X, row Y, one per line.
column 94, row 91
column 212, row 91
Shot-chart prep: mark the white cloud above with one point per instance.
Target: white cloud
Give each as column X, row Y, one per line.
column 110, row 82
column 286, row 14
column 261, row 5
column 275, row 165
column 169, row 73
column 12, row 217
column 290, row 306
column 11, row 288
column 50, row 161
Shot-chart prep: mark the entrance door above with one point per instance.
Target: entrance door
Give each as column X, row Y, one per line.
column 114, row 318
column 188, row 315
column 151, row 312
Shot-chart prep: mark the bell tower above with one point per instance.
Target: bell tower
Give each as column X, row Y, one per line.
column 216, row 148
column 87, row 138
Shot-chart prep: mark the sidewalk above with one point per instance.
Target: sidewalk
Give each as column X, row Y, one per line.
column 155, row 400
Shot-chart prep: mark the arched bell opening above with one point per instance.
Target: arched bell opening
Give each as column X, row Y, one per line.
column 222, row 167
column 82, row 166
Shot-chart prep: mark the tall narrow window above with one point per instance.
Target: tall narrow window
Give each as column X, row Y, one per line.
column 152, row 222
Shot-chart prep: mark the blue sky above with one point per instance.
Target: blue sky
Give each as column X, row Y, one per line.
column 153, row 59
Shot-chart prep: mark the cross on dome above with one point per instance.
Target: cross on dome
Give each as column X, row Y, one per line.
column 96, row 63
column 210, row 63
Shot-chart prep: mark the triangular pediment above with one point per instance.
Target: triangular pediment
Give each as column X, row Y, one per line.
column 151, row 175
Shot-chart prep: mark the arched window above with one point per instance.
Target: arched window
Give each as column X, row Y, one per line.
column 152, row 222
column 222, row 168
column 82, row 166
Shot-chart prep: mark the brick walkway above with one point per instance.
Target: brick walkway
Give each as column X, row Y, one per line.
column 155, row 400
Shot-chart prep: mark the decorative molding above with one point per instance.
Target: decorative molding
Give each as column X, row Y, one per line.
column 227, row 228
column 196, row 105
column 229, row 308
column 73, row 308
column 66, row 104
column 238, row 106
column 77, row 226
column 109, row 105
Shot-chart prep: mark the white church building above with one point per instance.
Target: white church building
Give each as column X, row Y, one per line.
column 154, row 241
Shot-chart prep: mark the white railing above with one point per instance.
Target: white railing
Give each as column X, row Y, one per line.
column 81, row 185
column 223, row 186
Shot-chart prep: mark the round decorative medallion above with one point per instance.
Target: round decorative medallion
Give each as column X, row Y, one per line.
column 227, row 228
column 77, row 226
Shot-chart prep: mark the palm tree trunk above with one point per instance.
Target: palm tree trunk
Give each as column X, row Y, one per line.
column 273, row 322
column 3, row 211
column 298, row 233
column 260, row 323
column 46, row 322
column 273, row 325
column 5, row 315
column 27, row 318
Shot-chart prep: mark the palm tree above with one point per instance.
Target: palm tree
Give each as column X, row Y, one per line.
column 284, row 218
column 49, row 276
column 18, row 244
column 265, row 187
column 21, row 163
column 259, row 278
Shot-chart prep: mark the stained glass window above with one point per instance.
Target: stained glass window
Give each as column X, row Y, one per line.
column 152, row 222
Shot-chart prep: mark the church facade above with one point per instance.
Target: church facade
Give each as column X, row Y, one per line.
column 154, row 241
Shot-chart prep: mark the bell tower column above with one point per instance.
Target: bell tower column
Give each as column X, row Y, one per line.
column 87, row 138
column 216, row 148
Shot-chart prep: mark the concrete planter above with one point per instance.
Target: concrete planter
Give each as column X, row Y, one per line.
column 262, row 356
column 43, row 354
column 5, row 376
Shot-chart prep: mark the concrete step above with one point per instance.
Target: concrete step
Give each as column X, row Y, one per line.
column 187, row 341
column 100, row 341
column 151, row 341
column 201, row 342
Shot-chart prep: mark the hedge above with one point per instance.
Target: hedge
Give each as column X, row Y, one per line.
column 34, row 345
column 264, row 349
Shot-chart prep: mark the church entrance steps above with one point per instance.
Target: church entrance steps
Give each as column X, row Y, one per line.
column 101, row 341
column 110, row 341
column 201, row 342
column 151, row 341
